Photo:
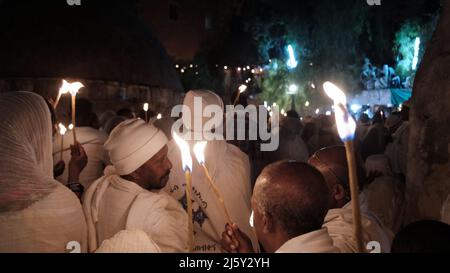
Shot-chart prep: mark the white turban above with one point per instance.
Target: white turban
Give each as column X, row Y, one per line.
column 208, row 99
column 132, row 143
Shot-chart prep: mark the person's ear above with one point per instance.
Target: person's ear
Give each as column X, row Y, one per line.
column 268, row 223
column 339, row 192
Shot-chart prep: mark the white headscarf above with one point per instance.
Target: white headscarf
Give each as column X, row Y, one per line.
column 26, row 168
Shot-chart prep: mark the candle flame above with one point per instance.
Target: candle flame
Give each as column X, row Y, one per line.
column 242, row 88
column 73, row 88
column 346, row 125
column 159, row 116
column 335, row 93
column 70, row 127
column 185, row 152
column 145, row 107
column 199, row 151
column 65, row 88
column 251, row 222
column 62, row 129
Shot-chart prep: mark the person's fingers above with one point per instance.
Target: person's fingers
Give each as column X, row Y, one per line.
column 227, row 243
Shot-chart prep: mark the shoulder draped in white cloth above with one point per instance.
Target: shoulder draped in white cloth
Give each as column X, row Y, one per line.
column 318, row 241
column 37, row 213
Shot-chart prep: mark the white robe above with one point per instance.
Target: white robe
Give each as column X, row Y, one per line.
column 340, row 227
column 113, row 204
column 92, row 141
column 318, row 241
column 48, row 225
column 230, row 170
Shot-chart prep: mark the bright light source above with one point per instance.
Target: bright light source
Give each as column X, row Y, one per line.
column 177, row 66
column 293, row 88
column 313, row 85
column 416, row 53
column 283, row 111
column 265, row 104
column 328, row 113
column 274, row 104
column 307, row 104
column 145, row 107
column 292, row 62
column 335, row 93
column 191, row 65
column 269, row 108
column 239, row 69
column 182, row 70
column 317, row 111
column 253, row 71
column 159, row 116
column 242, row 88
column 225, row 67
column 248, row 67
column 355, row 108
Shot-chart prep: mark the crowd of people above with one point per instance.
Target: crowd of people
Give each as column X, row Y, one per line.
column 121, row 187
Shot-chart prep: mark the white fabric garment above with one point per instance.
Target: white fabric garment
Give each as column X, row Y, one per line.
column 129, row 241
column 340, row 227
column 230, row 170
column 92, row 141
column 291, row 145
column 113, row 204
column 397, row 151
column 37, row 213
column 384, row 195
column 318, row 241
column 132, row 143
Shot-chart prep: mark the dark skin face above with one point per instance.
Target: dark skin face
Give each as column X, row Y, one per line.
column 154, row 174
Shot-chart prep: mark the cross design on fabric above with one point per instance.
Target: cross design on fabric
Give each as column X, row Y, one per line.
column 198, row 215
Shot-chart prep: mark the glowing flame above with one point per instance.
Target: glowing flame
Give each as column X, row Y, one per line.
column 65, row 88
column 145, row 107
column 346, row 125
column 251, row 219
column 199, row 151
column 70, row 127
column 185, row 152
column 75, row 87
column 62, row 129
column 307, row 104
column 336, row 94
column 242, row 88
column 159, row 116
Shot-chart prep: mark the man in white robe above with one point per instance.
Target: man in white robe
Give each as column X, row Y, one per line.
column 92, row 141
column 230, row 170
column 37, row 213
column 128, row 196
column 289, row 204
column 332, row 163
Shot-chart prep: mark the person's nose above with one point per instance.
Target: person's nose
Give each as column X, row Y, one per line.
column 168, row 164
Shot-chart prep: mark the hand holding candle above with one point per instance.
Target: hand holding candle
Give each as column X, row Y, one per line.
column 346, row 127
column 199, row 149
column 187, row 168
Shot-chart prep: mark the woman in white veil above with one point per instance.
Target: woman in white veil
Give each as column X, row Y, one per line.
column 37, row 214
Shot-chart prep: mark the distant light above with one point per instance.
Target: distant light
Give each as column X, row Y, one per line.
column 416, row 53
column 307, row 103
column 355, row 108
column 191, row 65
column 313, row 85
column 182, row 70
column 239, row 69
column 400, row 107
column 261, row 70
column 328, row 113
column 249, row 79
column 285, row 114
column 317, row 111
column 225, row 67
column 248, row 67
column 269, row 108
column 253, row 71
column 293, row 88
column 70, row 126
column 145, row 107
column 196, row 72
column 301, row 118
column 196, row 65
column 217, row 65
column 265, row 104
column 177, row 66
column 292, row 62
column 274, row 104
column 245, row 69
column 311, row 64
column 270, row 60
column 159, row 116
column 283, row 111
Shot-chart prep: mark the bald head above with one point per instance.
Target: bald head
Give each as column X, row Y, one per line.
column 294, row 194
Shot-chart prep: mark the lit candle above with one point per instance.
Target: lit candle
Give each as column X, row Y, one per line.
column 73, row 89
column 241, row 90
column 187, row 168
column 64, row 89
column 146, row 110
column 159, row 116
column 199, row 151
column 62, row 132
column 346, row 126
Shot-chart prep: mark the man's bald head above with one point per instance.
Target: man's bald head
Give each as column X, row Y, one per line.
column 295, row 196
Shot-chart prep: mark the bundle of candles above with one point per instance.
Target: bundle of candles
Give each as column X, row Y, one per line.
column 73, row 89
column 186, row 159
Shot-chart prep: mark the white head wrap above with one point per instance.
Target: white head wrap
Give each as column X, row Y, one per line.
column 132, row 143
column 191, row 114
column 26, row 166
